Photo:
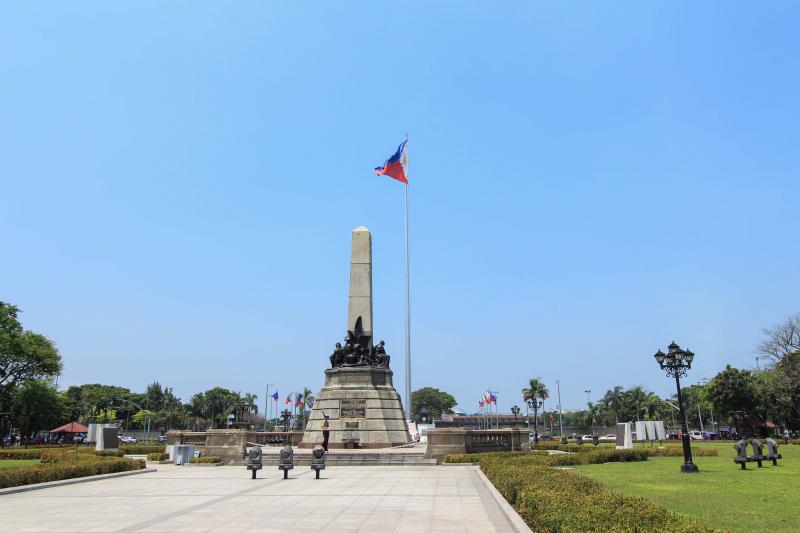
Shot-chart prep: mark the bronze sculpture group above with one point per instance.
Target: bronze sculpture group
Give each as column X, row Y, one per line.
column 359, row 351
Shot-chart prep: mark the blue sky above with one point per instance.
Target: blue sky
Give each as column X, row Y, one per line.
column 588, row 182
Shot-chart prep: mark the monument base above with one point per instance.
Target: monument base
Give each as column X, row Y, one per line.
column 363, row 409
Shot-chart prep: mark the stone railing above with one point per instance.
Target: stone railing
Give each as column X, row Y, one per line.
column 442, row 442
column 230, row 444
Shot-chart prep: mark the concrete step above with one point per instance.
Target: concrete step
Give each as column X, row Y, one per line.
column 357, row 460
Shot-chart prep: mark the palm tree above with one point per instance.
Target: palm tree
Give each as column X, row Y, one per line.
column 308, row 401
column 613, row 400
column 653, row 407
column 634, row 399
column 249, row 400
column 535, row 391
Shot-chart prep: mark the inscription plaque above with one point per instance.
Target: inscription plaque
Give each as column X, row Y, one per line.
column 349, row 408
column 351, row 425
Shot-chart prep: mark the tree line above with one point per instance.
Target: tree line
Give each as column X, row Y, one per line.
column 30, row 401
column 745, row 400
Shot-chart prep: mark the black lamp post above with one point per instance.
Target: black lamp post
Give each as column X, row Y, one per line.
column 676, row 362
column 535, row 405
column 515, row 410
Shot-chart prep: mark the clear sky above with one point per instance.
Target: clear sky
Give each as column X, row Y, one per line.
column 588, row 182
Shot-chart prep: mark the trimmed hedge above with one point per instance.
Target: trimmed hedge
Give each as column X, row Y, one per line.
column 549, row 499
column 20, row 454
column 597, row 456
column 142, row 449
column 675, row 451
column 205, row 459
column 109, row 453
column 66, row 470
column 157, row 456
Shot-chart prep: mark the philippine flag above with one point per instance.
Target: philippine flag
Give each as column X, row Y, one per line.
column 275, row 396
column 396, row 166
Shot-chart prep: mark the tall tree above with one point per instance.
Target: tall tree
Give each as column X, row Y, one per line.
column 613, row 400
column 782, row 339
column 36, row 406
column 436, row 402
column 155, row 396
column 733, row 394
column 24, row 355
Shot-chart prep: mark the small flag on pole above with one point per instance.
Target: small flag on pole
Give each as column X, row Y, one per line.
column 289, row 398
column 395, row 167
column 275, row 396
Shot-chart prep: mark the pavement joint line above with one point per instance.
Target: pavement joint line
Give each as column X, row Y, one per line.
column 163, row 518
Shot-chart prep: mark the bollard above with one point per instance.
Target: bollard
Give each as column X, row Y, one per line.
column 254, row 462
column 318, row 459
column 286, row 460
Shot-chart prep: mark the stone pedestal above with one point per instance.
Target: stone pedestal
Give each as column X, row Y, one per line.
column 363, row 409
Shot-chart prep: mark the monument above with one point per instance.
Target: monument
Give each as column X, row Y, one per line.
column 358, row 400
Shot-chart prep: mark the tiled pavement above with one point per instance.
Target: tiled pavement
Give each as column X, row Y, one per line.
column 225, row 499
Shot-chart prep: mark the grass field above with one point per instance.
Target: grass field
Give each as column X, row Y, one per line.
column 24, row 463
column 721, row 495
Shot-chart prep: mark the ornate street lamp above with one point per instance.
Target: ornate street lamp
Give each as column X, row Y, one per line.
column 515, row 410
column 535, row 405
column 676, row 362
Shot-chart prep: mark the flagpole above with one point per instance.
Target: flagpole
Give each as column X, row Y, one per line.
column 408, row 308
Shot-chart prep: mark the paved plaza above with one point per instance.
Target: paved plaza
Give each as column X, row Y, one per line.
column 188, row 499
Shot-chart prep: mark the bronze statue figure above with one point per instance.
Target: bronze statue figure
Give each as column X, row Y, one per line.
column 358, row 350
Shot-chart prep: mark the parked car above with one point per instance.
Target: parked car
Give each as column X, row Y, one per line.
column 161, row 439
column 128, row 440
column 586, row 438
column 608, row 438
column 695, row 435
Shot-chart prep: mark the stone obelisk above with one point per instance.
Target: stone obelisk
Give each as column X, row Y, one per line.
column 362, row 407
column 360, row 303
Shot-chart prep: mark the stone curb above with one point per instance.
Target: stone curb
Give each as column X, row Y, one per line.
column 514, row 520
column 61, row 482
column 203, row 464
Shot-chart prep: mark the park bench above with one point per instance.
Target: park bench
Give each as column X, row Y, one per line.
column 758, row 453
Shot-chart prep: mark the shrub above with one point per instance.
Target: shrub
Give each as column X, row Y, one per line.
column 553, row 500
column 20, row 454
column 65, row 470
column 54, row 456
column 595, row 456
column 205, row 459
column 142, row 449
column 108, row 453
column 157, row 456
column 675, row 451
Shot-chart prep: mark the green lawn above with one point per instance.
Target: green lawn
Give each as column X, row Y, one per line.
column 721, row 495
column 23, row 463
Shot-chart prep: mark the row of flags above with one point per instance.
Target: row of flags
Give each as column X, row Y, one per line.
column 488, row 399
column 298, row 399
